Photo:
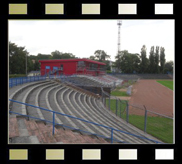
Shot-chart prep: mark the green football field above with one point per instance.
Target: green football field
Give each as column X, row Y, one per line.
column 167, row 83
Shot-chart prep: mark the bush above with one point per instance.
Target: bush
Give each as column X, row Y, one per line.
column 16, row 75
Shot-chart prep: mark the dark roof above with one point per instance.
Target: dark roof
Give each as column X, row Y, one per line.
column 34, row 72
column 72, row 60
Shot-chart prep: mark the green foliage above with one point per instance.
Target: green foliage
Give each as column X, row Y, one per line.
column 156, row 59
column 168, row 67
column 135, row 63
column 162, row 59
column 101, row 55
column 17, row 59
column 152, row 60
column 16, row 75
column 59, row 55
column 144, row 61
column 127, row 62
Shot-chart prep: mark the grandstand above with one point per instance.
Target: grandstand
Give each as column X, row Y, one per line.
column 143, row 76
column 83, row 118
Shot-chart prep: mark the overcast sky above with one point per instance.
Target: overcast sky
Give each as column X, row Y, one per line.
column 83, row 37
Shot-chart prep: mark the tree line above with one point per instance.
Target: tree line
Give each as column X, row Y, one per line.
column 125, row 62
column 139, row 63
column 18, row 56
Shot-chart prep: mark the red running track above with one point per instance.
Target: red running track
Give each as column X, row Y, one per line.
column 154, row 96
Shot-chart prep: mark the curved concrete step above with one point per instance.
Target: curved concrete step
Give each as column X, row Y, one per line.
column 57, row 120
column 24, row 107
column 90, row 117
column 78, row 112
column 16, row 107
column 33, row 99
column 100, row 118
column 13, row 92
column 61, row 106
column 70, row 109
column 42, row 102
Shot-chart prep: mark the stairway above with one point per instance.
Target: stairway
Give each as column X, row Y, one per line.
column 23, row 131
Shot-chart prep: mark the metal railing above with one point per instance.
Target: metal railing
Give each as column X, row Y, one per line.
column 142, row 117
column 54, row 124
column 21, row 80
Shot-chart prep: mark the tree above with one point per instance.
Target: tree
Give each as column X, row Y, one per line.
column 56, row 55
column 127, row 62
column 162, row 59
column 67, row 56
column 152, row 60
column 144, row 60
column 168, row 68
column 59, row 55
column 130, row 63
column 17, row 59
column 43, row 56
column 101, row 55
column 118, row 58
column 156, row 59
column 92, row 57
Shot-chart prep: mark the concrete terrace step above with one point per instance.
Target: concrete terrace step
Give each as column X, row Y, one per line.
column 70, row 109
column 24, row 107
column 42, row 102
column 19, row 96
column 78, row 112
column 104, row 120
column 57, row 120
column 90, row 116
column 73, row 101
column 33, row 100
column 13, row 92
column 62, row 108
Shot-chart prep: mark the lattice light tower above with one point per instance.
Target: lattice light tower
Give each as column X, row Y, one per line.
column 119, row 23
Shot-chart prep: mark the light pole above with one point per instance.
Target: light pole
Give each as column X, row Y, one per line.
column 26, row 64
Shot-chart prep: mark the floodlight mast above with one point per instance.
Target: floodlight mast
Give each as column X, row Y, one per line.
column 119, row 23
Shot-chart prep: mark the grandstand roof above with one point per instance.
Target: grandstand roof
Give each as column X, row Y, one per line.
column 72, row 60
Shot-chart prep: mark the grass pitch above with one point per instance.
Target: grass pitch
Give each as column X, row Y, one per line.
column 167, row 83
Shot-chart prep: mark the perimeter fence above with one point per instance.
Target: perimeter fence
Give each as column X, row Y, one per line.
column 156, row 124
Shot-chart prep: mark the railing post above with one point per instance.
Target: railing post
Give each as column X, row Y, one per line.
column 102, row 96
column 145, row 124
column 127, row 112
column 111, row 135
column 120, row 108
column 116, row 107
column 53, row 123
column 109, row 103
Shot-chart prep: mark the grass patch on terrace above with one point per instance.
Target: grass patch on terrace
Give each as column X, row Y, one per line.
column 119, row 93
column 167, row 83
